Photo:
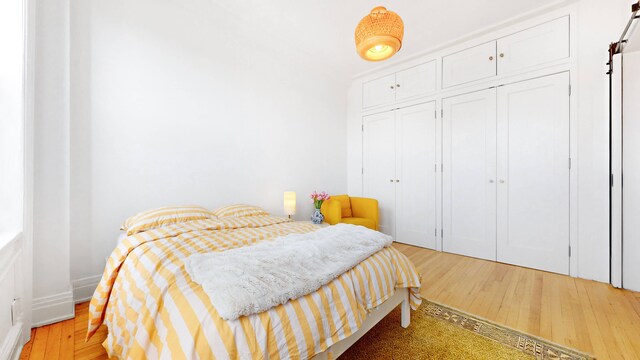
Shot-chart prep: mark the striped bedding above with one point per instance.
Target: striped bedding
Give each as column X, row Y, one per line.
column 153, row 310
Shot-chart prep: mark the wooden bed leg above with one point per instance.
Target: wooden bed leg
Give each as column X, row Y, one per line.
column 405, row 312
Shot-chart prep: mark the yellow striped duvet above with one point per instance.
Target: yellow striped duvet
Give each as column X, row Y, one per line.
column 153, row 310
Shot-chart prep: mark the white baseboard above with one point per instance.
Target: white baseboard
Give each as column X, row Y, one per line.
column 11, row 347
column 50, row 309
column 83, row 288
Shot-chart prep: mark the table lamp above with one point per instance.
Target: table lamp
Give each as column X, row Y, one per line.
column 289, row 203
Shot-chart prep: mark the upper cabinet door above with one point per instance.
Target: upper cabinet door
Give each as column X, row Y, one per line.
column 535, row 46
column 416, row 81
column 478, row 62
column 379, row 91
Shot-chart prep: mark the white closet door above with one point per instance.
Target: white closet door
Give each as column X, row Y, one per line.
column 416, row 179
column 379, row 91
column 469, row 186
column 379, row 166
column 478, row 62
column 416, row 81
column 533, row 173
column 535, row 46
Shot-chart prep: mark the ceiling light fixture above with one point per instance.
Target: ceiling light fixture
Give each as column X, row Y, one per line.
column 379, row 34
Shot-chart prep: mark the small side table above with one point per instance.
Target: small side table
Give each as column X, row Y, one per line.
column 324, row 224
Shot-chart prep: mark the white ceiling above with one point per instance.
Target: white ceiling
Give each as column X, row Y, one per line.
column 324, row 28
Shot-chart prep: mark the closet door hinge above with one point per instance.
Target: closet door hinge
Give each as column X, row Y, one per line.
column 569, row 163
column 441, row 167
column 362, row 170
column 435, row 167
column 362, row 127
column 442, row 233
column 435, row 114
column 569, row 250
column 435, row 232
column 569, row 89
column 442, row 113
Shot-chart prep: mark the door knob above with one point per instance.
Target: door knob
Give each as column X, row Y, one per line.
column 397, row 85
column 491, row 181
column 391, row 180
column 501, row 181
column 391, row 87
column 397, row 180
column 501, row 55
column 490, row 58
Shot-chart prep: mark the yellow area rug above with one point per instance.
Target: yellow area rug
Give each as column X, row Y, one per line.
column 440, row 332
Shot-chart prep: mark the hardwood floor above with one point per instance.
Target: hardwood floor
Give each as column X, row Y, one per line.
column 65, row 340
column 585, row 315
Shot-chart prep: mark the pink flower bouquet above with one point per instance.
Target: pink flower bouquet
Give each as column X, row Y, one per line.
column 319, row 198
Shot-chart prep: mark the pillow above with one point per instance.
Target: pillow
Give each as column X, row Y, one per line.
column 345, row 204
column 153, row 219
column 239, row 211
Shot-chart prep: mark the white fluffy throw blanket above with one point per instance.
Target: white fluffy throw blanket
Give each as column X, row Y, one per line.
column 253, row 279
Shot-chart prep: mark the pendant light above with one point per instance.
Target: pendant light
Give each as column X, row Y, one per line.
column 379, row 34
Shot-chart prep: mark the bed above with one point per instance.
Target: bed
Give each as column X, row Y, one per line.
column 154, row 310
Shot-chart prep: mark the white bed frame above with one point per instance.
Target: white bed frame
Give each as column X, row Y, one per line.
column 400, row 297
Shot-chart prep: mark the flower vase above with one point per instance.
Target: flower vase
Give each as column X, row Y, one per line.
column 317, row 217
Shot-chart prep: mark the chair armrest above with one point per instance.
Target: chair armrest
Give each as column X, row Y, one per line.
column 332, row 211
column 365, row 208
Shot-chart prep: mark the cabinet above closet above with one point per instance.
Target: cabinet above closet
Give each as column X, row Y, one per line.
column 478, row 62
column 517, row 52
column 416, row 81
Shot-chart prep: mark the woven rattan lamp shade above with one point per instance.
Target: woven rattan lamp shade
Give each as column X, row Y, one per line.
column 379, row 34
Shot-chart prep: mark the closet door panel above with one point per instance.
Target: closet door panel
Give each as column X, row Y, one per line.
column 379, row 166
column 478, row 62
column 416, row 81
column 533, row 173
column 535, row 46
column 379, row 91
column 416, row 179
column 469, row 187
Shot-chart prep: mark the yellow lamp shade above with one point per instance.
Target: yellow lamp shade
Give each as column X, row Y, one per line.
column 379, row 34
column 289, row 203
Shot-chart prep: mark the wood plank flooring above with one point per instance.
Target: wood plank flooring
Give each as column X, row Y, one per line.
column 65, row 340
column 585, row 315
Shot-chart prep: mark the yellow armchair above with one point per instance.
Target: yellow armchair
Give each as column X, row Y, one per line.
column 351, row 210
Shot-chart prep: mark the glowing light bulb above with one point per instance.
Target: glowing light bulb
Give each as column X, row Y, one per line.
column 378, row 48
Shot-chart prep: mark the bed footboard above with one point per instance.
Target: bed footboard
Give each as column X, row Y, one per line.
column 401, row 297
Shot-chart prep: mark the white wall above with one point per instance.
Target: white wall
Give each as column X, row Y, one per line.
column 52, row 297
column 177, row 102
column 600, row 23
